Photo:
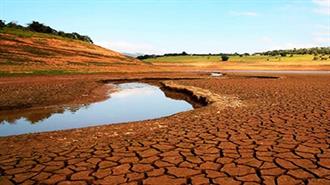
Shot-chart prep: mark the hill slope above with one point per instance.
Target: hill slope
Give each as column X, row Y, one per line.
column 26, row 51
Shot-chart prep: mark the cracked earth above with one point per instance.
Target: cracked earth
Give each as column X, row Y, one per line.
column 280, row 136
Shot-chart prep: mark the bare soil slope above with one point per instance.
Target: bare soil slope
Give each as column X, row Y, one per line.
column 30, row 52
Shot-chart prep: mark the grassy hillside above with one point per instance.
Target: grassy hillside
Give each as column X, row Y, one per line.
column 24, row 51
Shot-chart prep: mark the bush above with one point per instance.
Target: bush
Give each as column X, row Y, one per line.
column 35, row 26
column 39, row 27
column 2, row 24
column 224, row 57
column 316, row 58
column 14, row 25
column 283, row 54
column 323, row 57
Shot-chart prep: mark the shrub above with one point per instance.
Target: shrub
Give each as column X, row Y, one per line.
column 35, row 26
column 224, row 57
column 323, row 57
column 184, row 53
column 2, row 24
column 39, row 27
column 283, row 54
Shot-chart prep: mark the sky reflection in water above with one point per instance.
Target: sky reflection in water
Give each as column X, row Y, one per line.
column 133, row 102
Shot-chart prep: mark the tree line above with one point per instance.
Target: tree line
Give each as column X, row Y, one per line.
column 322, row 51
column 300, row 51
column 224, row 56
column 35, row 26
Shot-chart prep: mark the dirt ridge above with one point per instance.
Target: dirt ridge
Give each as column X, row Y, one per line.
column 204, row 96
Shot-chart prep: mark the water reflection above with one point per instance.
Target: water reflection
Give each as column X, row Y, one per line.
column 34, row 115
column 132, row 102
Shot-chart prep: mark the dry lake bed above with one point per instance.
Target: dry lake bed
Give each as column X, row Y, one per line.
column 249, row 129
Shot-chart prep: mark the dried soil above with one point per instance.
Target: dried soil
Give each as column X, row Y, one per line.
column 280, row 135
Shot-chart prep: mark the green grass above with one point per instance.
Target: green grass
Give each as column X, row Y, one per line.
column 17, row 32
column 236, row 59
column 30, row 34
column 38, row 72
column 37, row 51
column 52, row 72
column 183, row 59
column 9, row 62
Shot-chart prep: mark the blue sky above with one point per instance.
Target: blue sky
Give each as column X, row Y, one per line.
column 204, row 26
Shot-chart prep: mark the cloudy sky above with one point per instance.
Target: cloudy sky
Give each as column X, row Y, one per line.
column 194, row 26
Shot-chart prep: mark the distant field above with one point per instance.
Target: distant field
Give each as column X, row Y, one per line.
column 294, row 60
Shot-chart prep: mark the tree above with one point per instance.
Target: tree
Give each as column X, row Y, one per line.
column 2, row 24
column 39, row 27
column 283, row 54
column 35, row 26
column 13, row 24
column 224, row 57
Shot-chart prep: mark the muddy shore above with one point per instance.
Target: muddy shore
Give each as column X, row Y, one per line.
column 279, row 136
column 40, row 91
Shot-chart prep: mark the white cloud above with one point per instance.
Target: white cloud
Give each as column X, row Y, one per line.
column 266, row 39
column 322, row 40
column 128, row 47
column 268, row 43
column 322, row 35
column 124, row 93
column 323, row 6
column 247, row 14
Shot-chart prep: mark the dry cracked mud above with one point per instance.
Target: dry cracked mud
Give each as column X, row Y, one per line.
column 280, row 136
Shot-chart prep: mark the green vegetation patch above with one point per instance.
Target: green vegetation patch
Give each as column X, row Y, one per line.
column 38, row 29
column 8, row 37
column 99, row 63
column 77, row 63
column 240, row 59
column 52, row 72
column 36, row 51
column 9, row 62
column 38, row 72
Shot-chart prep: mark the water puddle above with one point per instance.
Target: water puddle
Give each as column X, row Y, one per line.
column 132, row 102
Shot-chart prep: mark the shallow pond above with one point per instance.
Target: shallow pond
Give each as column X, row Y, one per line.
column 131, row 102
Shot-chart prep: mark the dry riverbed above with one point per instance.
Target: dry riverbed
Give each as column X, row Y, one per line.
column 276, row 131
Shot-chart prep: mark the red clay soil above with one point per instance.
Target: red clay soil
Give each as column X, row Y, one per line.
column 280, row 134
column 52, row 51
column 28, row 54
